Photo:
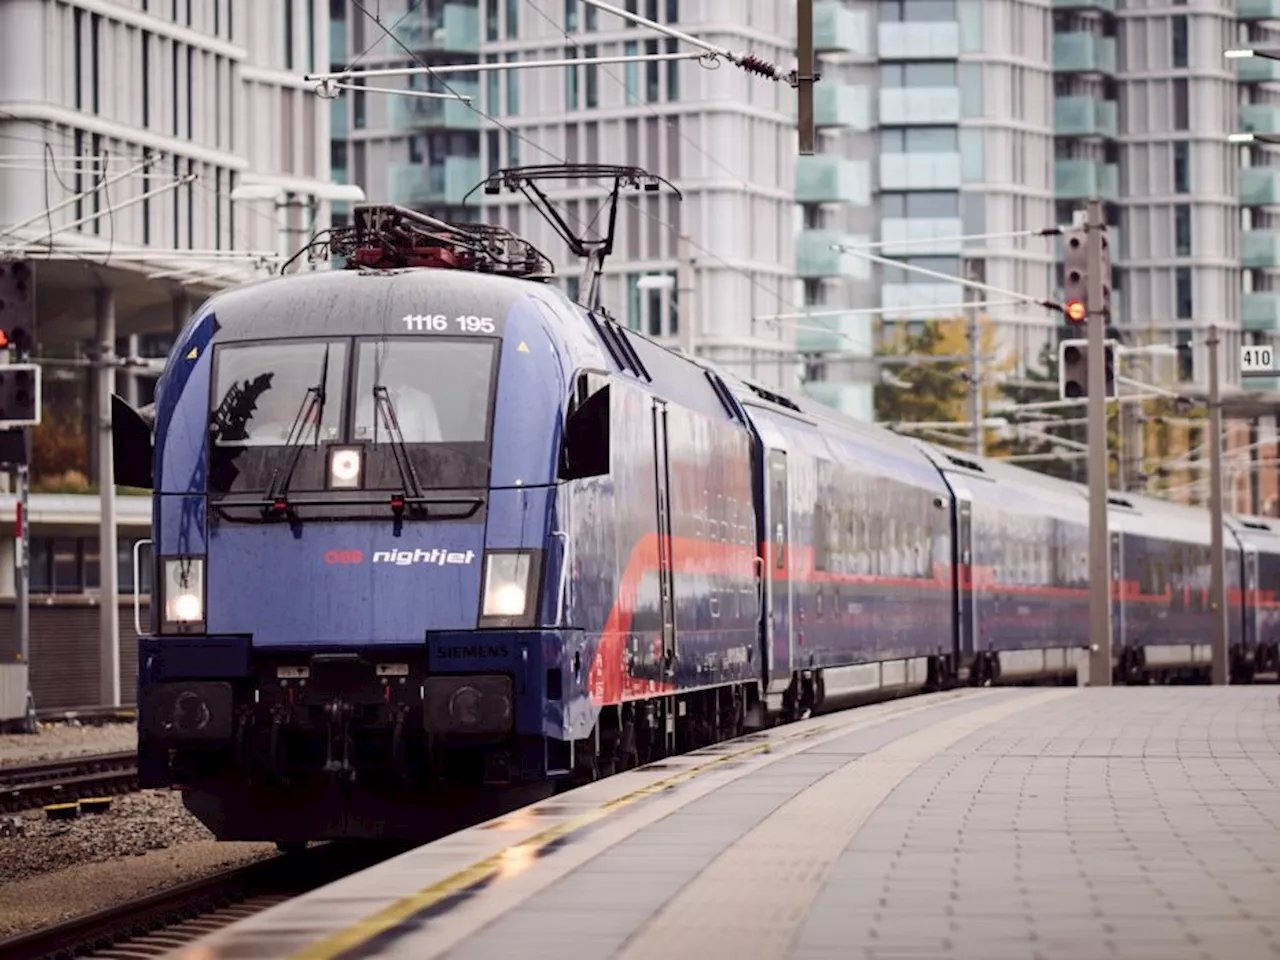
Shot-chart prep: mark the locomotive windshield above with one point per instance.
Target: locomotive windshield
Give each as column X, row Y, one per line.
column 440, row 392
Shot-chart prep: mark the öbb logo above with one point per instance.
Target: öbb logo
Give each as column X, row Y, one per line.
column 334, row 557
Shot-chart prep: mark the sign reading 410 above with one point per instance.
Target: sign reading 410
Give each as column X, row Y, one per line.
column 1257, row 361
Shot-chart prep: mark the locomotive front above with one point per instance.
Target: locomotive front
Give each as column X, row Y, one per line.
column 354, row 480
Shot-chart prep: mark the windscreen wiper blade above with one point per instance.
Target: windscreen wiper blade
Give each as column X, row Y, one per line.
column 312, row 402
column 412, row 493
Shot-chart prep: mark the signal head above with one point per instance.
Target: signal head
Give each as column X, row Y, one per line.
column 1071, row 354
column 1075, row 311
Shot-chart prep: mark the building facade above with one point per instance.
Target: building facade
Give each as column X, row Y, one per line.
column 125, row 127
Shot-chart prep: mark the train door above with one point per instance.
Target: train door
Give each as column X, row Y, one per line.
column 966, row 610
column 1249, row 602
column 662, row 491
column 777, row 579
column 1117, row 592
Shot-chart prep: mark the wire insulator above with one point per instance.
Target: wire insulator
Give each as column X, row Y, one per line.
column 753, row 64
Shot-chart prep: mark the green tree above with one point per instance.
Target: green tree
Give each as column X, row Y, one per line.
column 933, row 392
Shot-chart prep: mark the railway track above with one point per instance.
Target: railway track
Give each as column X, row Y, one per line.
column 29, row 785
column 156, row 924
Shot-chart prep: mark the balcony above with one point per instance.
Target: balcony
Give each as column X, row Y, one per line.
column 1257, row 70
column 919, row 41
column 1082, row 179
column 852, row 399
column 424, row 113
column 1082, row 116
column 841, row 105
column 837, row 29
column 1260, row 310
column 1102, row 6
column 1260, row 249
column 1259, row 118
column 421, row 185
column 457, row 30
column 919, row 236
column 825, row 178
column 816, row 260
column 1257, row 10
column 1084, row 53
column 834, row 333
column 920, row 171
column 1260, row 186
column 920, row 104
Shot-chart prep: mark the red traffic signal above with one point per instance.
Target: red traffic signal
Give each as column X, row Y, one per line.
column 1075, row 311
column 4, row 340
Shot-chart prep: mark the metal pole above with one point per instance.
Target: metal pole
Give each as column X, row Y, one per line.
column 22, row 557
column 805, row 62
column 975, row 376
column 1099, row 541
column 109, row 609
column 1217, row 555
column 684, row 295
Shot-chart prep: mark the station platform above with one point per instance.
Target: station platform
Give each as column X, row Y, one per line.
column 987, row 824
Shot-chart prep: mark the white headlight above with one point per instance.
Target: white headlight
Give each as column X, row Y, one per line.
column 506, row 584
column 344, row 468
column 184, row 591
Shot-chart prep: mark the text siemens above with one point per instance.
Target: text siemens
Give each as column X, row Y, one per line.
column 404, row 558
column 439, row 323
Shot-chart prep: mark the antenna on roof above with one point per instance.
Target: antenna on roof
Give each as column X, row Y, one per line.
column 593, row 250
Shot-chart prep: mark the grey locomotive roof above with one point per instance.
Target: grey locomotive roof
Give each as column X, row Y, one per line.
column 343, row 302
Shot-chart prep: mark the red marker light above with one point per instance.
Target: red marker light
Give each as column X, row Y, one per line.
column 4, row 340
column 1075, row 311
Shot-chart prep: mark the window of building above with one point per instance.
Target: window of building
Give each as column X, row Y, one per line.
column 654, row 307
column 1182, row 229
column 1182, row 292
column 513, row 149
column 929, row 74
column 1186, row 358
column 919, row 139
column 357, row 109
column 673, row 70
column 513, row 19
column 95, row 77
column 651, row 73
column 1181, row 167
column 591, row 19
column 632, row 73
column 593, row 76
column 146, row 78
column 337, row 9
column 513, row 87
column 570, row 15
column 673, row 11
column 491, row 148
column 493, row 88
column 917, row 11
column 491, row 19
column 415, row 150
column 1180, row 41
column 633, row 301
column 288, row 34
column 1181, row 105
column 69, row 565
column 571, row 80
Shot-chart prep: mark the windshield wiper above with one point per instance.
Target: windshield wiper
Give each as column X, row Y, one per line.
column 412, row 493
column 312, row 401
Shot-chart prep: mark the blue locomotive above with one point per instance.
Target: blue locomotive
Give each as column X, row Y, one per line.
column 427, row 531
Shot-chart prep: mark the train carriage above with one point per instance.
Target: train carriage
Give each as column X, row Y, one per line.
column 1254, row 598
column 1022, row 560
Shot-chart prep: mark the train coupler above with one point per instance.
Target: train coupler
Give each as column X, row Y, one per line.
column 337, row 761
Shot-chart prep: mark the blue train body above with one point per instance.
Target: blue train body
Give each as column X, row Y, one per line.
column 423, row 535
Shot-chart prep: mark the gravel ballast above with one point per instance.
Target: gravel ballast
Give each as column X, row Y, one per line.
column 147, row 841
column 58, row 740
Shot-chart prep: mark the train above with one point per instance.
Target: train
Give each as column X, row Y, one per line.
column 429, row 532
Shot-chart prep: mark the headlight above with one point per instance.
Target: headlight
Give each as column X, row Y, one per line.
column 184, row 591
column 507, row 585
column 344, row 468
